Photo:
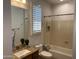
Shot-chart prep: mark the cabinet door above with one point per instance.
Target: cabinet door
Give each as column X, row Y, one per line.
column 35, row 55
column 28, row 57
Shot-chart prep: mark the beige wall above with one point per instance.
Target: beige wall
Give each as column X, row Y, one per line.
column 63, row 8
column 61, row 27
column 46, row 8
column 7, row 34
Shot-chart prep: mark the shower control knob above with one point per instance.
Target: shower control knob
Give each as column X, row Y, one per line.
column 66, row 42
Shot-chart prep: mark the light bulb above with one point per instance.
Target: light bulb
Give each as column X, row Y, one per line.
column 61, row 0
column 23, row 1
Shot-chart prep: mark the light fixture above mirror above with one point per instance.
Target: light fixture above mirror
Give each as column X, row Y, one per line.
column 61, row 0
column 19, row 3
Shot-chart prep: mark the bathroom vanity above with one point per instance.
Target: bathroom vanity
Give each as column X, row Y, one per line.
column 26, row 53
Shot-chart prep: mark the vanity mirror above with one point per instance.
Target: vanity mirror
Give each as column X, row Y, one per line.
column 19, row 21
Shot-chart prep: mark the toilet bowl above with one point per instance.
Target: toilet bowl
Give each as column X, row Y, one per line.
column 44, row 54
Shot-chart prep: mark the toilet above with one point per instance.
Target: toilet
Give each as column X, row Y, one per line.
column 43, row 53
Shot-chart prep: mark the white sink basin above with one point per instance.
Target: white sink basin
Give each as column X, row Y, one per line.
column 22, row 53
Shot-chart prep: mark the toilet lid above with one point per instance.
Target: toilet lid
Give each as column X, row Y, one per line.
column 45, row 53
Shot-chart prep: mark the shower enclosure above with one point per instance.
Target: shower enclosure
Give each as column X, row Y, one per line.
column 58, row 34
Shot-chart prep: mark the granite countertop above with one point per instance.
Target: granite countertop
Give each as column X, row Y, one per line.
column 32, row 49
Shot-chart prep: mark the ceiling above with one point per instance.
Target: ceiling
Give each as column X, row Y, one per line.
column 57, row 1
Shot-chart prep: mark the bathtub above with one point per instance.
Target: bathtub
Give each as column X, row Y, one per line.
column 61, row 53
